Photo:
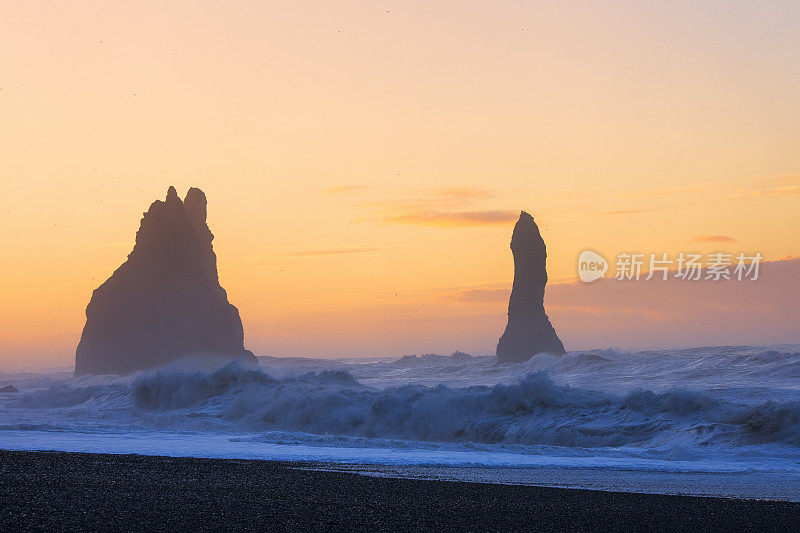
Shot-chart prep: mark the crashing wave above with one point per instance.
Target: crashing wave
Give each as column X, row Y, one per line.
column 732, row 398
column 533, row 411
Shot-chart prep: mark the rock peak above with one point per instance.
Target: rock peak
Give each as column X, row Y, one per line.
column 529, row 330
column 172, row 195
column 526, row 232
column 196, row 205
column 165, row 302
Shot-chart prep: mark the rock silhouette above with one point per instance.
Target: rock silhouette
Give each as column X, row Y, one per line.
column 9, row 389
column 529, row 330
column 165, row 302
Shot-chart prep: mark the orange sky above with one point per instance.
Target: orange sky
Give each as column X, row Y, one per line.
column 365, row 161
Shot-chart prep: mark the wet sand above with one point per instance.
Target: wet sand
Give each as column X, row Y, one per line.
column 74, row 491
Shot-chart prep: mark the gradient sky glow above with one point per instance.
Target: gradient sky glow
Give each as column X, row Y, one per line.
column 365, row 161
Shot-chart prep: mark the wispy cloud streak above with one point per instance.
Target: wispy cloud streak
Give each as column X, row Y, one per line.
column 453, row 219
column 714, row 238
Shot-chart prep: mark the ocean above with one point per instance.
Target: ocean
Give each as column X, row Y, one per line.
column 713, row 420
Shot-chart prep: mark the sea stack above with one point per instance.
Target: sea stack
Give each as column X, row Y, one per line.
column 529, row 330
column 165, row 302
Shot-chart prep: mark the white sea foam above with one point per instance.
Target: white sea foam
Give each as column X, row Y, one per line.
column 718, row 409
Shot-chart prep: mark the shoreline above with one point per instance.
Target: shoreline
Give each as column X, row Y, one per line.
column 723, row 479
column 71, row 490
column 746, row 485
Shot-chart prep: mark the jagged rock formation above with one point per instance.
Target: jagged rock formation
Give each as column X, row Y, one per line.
column 165, row 302
column 529, row 330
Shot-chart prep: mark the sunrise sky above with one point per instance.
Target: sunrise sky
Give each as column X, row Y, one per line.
column 365, row 162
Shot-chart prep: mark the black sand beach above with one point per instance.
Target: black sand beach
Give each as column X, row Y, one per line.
column 73, row 491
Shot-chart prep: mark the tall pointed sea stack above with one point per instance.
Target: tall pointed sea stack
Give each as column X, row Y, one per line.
column 529, row 330
column 165, row 302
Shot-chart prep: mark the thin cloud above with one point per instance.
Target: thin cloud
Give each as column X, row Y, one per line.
column 434, row 199
column 773, row 182
column 714, row 238
column 770, row 187
column 453, row 219
column 443, row 207
column 575, row 205
column 482, row 295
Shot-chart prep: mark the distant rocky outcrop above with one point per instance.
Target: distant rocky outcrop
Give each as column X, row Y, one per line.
column 165, row 302
column 529, row 330
column 9, row 389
